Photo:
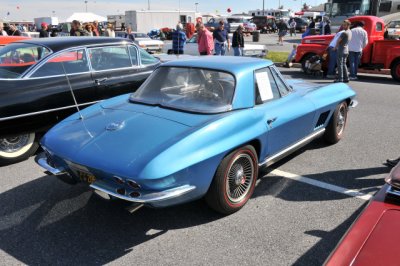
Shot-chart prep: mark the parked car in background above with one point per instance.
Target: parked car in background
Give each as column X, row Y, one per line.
column 301, row 24
column 196, row 128
column 379, row 56
column 4, row 40
column 394, row 29
column 236, row 20
column 45, row 80
column 373, row 238
column 264, row 23
column 213, row 23
column 144, row 41
column 191, row 48
column 249, row 26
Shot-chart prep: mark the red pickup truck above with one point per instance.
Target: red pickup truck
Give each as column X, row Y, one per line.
column 378, row 55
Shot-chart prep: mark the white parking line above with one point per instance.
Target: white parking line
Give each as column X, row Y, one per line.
column 313, row 182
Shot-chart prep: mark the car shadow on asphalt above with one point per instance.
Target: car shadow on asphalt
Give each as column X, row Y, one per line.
column 329, row 239
column 290, row 190
column 47, row 222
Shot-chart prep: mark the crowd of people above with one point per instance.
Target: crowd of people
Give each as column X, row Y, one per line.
column 210, row 43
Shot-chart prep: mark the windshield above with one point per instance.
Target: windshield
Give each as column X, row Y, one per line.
column 394, row 24
column 348, row 8
column 235, row 20
column 17, row 57
column 141, row 35
column 188, row 89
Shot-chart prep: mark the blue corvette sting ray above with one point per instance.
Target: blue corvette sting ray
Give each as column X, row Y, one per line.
column 196, row 128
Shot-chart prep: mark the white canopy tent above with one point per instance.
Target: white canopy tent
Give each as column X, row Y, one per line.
column 85, row 17
column 390, row 17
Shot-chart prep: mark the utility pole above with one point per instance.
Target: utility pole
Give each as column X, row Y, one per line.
column 263, row 7
column 148, row 4
column 86, row 5
column 196, row 4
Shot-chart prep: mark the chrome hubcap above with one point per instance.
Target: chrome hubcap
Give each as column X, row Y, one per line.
column 13, row 144
column 240, row 177
column 341, row 120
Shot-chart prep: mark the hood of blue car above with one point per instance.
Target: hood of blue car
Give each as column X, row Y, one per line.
column 119, row 136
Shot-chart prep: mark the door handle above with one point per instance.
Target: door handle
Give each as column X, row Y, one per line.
column 271, row 120
column 99, row 81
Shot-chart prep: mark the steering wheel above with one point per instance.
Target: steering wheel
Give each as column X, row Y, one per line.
column 217, row 90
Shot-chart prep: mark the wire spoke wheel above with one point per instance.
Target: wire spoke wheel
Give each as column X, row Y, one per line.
column 335, row 129
column 234, row 181
column 341, row 119
column 240, row 177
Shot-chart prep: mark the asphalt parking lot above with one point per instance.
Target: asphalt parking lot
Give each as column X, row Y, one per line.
column 299, row 211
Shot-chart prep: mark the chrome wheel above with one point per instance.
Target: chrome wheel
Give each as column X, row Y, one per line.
column 240, row 177
column 16, row 146
column 341, row 121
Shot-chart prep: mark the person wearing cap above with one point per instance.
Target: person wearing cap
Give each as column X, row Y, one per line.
column 357, row 43
column 178, row 39
column 238, row 41
column 44, row 33
column 221, row 39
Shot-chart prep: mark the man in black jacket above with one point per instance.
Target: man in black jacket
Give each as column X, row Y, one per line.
column 238, row 41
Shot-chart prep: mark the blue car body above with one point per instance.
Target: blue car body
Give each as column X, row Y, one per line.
column 172, row 155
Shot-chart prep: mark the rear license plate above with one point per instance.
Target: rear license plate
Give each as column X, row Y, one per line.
column 86, row 177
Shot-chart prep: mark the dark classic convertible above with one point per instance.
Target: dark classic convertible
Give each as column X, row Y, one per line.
column 37, row 78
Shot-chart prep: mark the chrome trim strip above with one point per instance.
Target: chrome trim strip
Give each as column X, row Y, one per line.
column 45, row 111
column 276, row 157
column 42, row 161
column 151, row 197
column 393, row 192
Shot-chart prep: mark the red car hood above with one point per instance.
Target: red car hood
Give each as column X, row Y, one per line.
column 382, row 244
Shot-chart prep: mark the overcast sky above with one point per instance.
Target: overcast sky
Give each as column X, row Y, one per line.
column 29, row 9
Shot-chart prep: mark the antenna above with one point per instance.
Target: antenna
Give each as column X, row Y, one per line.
column 72, row 92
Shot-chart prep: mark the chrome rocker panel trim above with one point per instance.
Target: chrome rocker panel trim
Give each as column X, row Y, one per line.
column 150, row 197
column 276, row 157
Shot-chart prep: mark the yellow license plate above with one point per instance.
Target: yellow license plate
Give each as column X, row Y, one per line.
column 86, row 177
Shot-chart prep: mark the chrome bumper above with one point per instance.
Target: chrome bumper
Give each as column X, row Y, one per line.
column 105, row 189
column 41, row 160
column 353, row 104
column 145, row 198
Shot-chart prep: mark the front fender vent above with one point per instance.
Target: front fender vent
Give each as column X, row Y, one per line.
column 322, row 119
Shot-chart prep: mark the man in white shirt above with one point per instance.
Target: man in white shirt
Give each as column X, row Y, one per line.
column 332, row 56
column 357, row 43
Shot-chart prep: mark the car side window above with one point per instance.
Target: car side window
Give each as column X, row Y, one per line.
column 283, row 89
column 379, row 26
column 193, row 39
column 70, row 62
column 134, row 57
column 266, row 88
column 110, row 57
column 146, row 58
